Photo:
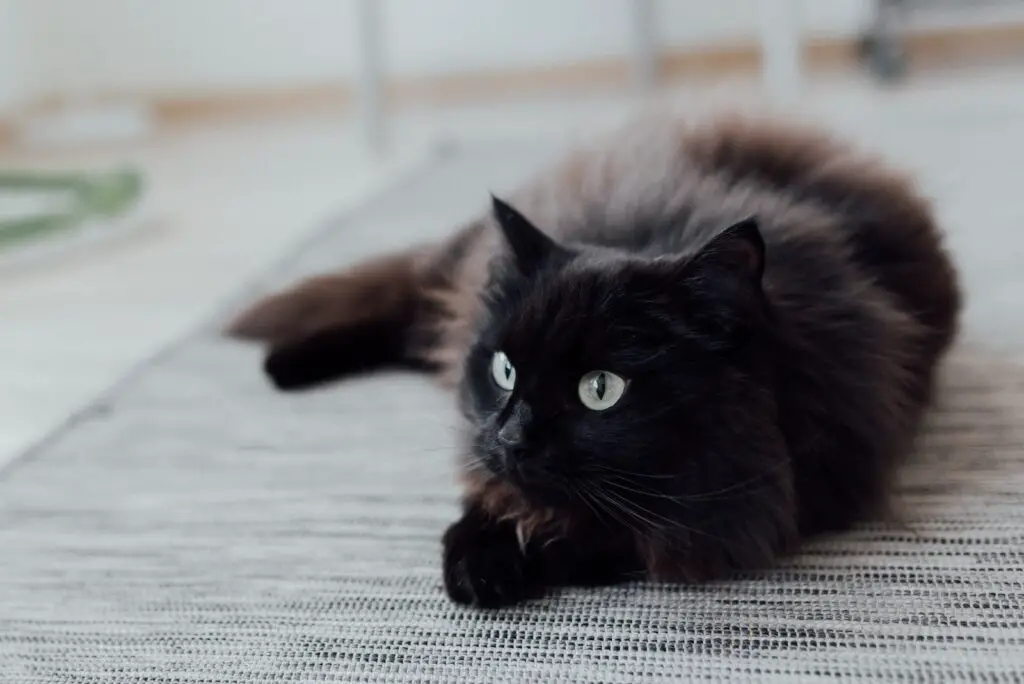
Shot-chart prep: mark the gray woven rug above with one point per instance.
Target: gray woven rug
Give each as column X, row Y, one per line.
column 195, row 526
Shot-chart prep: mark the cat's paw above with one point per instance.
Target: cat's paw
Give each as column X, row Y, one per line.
column 484, row 567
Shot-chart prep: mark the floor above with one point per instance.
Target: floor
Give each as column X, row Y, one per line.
column 226, row 200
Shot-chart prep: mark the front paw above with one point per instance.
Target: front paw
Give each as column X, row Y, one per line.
column 483, row 565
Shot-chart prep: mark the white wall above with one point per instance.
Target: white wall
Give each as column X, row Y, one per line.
column 191, row 46
column 15, row 57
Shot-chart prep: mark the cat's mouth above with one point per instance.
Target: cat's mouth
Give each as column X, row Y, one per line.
column 500, row 466
column 527, row 475
column 514, row 466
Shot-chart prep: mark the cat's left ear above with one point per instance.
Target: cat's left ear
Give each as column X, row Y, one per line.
column 531, row 246
column 738, row 250
column 722, row 289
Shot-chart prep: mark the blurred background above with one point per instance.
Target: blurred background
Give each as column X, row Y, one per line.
column 156, row 155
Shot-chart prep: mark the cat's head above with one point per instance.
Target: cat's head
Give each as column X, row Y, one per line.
column 637, row 390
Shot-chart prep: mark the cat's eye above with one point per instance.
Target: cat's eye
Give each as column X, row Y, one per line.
column 600, row 390
column 503, row 372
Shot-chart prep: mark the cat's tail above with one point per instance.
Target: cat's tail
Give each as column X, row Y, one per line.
column 334, row 325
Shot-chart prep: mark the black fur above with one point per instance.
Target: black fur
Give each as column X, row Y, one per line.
column 765, row 403
column 777, row 303
column 330, row 354
column 485, row 564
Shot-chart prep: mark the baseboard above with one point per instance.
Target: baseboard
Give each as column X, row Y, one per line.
column 926, row 47
column 283, row 102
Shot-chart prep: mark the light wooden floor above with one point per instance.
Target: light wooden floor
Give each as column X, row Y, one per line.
column 225, row 200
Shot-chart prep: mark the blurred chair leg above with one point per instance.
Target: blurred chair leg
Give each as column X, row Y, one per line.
column 370, row 88
column 782, row 62
column 645, row 45
column 881, row 47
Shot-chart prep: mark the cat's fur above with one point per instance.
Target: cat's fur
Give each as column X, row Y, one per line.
column 778, row 301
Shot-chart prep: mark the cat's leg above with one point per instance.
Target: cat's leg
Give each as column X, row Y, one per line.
column 385, row 312
column 486, row 565
column 334, row 325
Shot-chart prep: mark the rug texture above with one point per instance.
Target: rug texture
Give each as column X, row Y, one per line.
column 195, row 526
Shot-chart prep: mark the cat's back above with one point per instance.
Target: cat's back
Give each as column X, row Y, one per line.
column 823, row 206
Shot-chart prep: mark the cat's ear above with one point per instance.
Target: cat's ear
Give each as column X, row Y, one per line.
column 531, row 246
column 738, row 250
column 722, row 284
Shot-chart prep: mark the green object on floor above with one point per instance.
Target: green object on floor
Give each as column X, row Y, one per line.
column 80, row 197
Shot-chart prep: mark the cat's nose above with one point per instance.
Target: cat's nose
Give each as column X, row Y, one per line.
column 512, row 451
column 511, row 448
column 510, row 435
column 513, row 454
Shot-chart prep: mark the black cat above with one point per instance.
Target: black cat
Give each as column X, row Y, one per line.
column 677, row 356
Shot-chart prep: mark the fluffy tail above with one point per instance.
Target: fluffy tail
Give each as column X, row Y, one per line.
column 331, row 326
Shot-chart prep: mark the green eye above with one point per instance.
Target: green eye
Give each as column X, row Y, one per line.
column 600, row 390
column 503, row 372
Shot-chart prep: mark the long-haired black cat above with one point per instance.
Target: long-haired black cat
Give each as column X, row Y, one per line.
column 677, row 356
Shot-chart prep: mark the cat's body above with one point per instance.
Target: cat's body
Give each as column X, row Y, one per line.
column 776, row 369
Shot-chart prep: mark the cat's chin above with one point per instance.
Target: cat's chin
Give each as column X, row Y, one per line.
column 536, row 488
column 530, row 490
column 537, row 494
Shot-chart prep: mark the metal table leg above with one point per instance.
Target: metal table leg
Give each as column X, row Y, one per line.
column 880, row 46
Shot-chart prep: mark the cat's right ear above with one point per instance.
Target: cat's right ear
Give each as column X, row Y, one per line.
column 530, row 245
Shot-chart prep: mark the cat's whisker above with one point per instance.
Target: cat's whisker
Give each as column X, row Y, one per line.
column 641, row 513
column 581, row 493
column 742, row 487
column 737, row 488
column 646, row 476
column 626, row 485
column 610, row 507
column 624, row 506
